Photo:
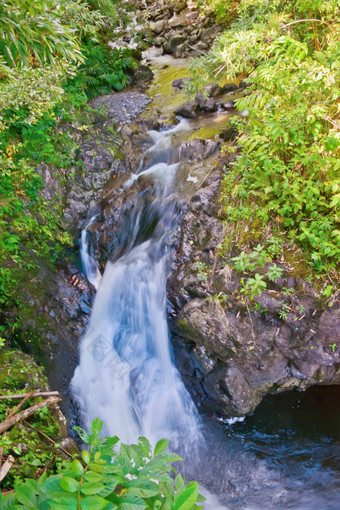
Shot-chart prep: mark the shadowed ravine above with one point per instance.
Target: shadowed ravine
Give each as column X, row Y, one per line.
column 127, row 377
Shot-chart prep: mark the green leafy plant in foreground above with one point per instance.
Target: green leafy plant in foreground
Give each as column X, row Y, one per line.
column 135, row 477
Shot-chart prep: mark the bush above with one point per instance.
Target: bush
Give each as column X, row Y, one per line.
column 105, row 478
column 286, row 173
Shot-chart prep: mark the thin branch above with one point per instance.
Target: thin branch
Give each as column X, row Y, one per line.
column 302, row 21
column 19, row 406
column 47, row 437
column 37, row 394
column 9, row 423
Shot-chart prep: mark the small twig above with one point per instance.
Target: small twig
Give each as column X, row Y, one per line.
column 301, row 21
column 37, row 394
column 19, row 406
column 47, row 437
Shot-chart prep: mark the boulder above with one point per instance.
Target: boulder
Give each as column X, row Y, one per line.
column 228, row 105
column 175, row 41
column 180, row 83
column 205, row 103
column 229, row 87
column 187, row 110
column 213, row 89
column 142, row 74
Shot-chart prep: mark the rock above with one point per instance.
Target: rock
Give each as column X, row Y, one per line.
column 180, row 83
column 206, row 104
column 201, row 46
column 179, row 51
column 228, row 105
column 179, row 21
column 243, row 114
column 142, row 74
column 187, row 110
column 179, row 5
column 174, row 41
column 159, row 26
column 208, row 34
column 158, row 41
column 213, row 89
column 229, row 134
column 240, row 354
column 229, row 87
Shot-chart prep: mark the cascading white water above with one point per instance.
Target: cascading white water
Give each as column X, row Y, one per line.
column 126, row 376
column 90, row 266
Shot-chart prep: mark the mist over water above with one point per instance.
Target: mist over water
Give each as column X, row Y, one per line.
column 127, row 377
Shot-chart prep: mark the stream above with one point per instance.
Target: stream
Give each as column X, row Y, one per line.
column 127, row 376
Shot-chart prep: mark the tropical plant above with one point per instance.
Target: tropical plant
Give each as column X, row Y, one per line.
column 32, row 34
column 286, row 174
column 133, row 477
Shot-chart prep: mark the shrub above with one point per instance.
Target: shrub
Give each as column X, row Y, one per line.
column 105, row 478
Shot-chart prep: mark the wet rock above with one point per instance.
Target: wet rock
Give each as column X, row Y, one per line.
column 180, row 83
column 244, row 113
column 187, row 110
column 230, row 87
column 213, row 89
column 142, row 74
column 205, row 103
column 228, row 105
column 229, row 134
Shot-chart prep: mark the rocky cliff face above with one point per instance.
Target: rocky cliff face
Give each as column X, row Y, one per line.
column 231, row 353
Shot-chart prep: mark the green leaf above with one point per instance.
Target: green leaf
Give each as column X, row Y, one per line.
column 91, row 488
column 187, row 499
column 26, row 495
column 142, row 488
column 91, row 476
column 93, row 503
column 65, row 504
column 77, row 467
column 160, row 446
column 96, row 427
column 86, row 457
column 69, row 484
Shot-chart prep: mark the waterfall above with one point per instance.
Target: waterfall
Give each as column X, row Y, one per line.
column 90, row 266
column 126, row 375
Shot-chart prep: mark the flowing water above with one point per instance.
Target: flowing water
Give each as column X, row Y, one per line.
column 127, row 377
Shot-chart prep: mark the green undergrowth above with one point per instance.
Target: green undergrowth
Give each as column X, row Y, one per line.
column 284, row 182
column 132, row 477
column 33, row 453
column 53, row 59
